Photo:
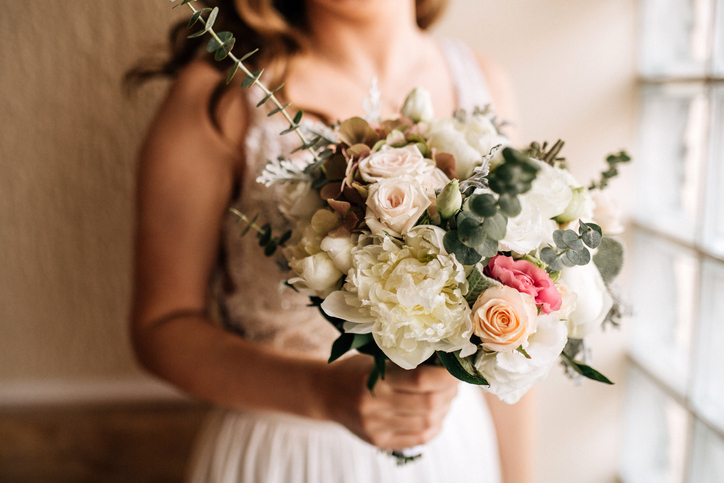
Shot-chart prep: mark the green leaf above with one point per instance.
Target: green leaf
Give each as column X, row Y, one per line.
column 248, row 54
column 464, row 254
column 558, row 240
column 461, row 368
column 195, row 17
column 250, row 79
column 278, row 109
column 223, row 44
column 489, row 248
column 341, row 346
column 250, row 225
column 232, row 73
column 572, row 240
column 590, row 233
column 478, row 283
column 298, row 117
column 270, row 248
column 483, row 205
column 609, row 259
column 523, row 351
column 212, row 19
column 495, row 226
column 285, row 237
column 509, row 205
column 550, row 257
column 471, row 232
column 578, row 257
column 584, row 370
column 264, row 235
column 182, row 3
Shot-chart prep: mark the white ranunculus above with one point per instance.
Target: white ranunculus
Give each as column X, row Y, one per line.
column 409, row 295
column 551, row 190
column 593, row 302
column 315, row 275
column 389, row 162
column 446, row 138
column 510, row 374
column 298, row 200
column 338, row 245
column 527, row 231
column 418, row 106
column 394, row 205
column 606, row 214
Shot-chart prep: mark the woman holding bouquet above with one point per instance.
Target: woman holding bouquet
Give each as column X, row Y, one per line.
column 209, row 315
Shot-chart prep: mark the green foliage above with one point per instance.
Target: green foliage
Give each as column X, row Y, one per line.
column 572, row 248
column 515, row 175
column 185, row 2
column 545, row 154
column 222, row 44
column 232, row 73
column 463, row 253
column 208, row 23
column 462, row 368
column 195, row 17
column 609, row 259
column 347, row 342
column 509, row 205
column 264, row 233
column 483, row 205
column 478, row 283
column 613, row 160
column 585, row 370
column 250, row 80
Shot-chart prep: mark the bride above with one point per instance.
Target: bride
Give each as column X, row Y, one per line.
column 208, row 313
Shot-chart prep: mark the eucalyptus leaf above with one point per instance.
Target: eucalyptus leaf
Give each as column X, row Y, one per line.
column 488, row 249
column 471, row 232
column 578, row 257
column 609, row 259
column 483, row 205
column 509, row 205
column 298, row 117
column 232, row 73
column 572, row 240
column 250, row 79
column 558, row 240
column 270, row 248
column 461, row 368
column 550, row 257
column 248, row 54
column 591, row 234
column 278, row 109
column 495, row 226
column 464, row 254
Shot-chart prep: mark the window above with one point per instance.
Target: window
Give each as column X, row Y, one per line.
column 674, row 424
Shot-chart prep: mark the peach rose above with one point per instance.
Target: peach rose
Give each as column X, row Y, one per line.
column 503, row 318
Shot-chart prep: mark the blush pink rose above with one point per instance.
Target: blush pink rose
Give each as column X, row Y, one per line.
column 503, row 318
column 525, row 277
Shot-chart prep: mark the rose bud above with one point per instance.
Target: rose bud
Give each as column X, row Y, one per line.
column 449, row 200
column 418, row 106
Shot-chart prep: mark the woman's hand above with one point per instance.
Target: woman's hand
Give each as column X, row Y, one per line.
column 406, row 409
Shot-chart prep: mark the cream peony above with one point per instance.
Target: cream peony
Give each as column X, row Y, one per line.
column 394, row 205
column 391, row 162
column 338, row 245
column 593, row 302
column 503, row 318
column 409, row 295
column 317, row 275
column 510, row 374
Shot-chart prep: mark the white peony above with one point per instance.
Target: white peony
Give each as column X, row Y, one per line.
column 447, row 138
column 338, row 244
column 510, row 374
column 418, row 106
column 317, row 275
column 410, row 296
column 394, row 205
column 390, row 162
column 593, row 302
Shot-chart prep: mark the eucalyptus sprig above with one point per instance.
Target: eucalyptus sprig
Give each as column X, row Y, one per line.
column 613, row 160
column 263, row 233
column 572, row 248
column 221, row 45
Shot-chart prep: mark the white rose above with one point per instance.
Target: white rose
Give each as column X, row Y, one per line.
column 410, row 296
column 299, row 200
column 527, row 231
column 551, row 189
column 389, row 162
column 338, row 245
column 418, row 106
column 433, row 181
column 606, row 214
column 445, row 137
column 510, row 374
column 568, row 300
column 394, row 205
column 593, row 302
column 316, row 275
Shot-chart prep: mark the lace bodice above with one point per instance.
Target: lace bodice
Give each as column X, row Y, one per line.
column 249, row 289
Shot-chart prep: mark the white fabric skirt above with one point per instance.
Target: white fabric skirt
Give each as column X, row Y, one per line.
column 257, row 447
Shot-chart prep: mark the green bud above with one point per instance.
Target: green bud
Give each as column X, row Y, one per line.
column 575, row 207
column 449, row 200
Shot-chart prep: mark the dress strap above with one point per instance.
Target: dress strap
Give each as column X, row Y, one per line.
column 472, row 89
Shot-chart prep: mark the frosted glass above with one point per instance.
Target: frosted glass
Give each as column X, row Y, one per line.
column 708, row 393
column 675, row 37
column 707, row 457
column 713, row 225
column 655, row 435
column 672, row 148
column 664, row 299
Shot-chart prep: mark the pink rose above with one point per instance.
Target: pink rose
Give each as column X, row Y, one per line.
column 525, row 277
column 503, row 318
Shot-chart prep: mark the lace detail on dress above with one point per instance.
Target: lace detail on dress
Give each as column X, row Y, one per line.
column 248, row 287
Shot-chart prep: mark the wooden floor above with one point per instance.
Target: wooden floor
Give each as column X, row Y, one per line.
column 136, row 443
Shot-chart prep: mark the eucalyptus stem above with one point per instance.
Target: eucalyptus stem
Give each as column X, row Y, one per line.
column 246, row 219
column 294, row 126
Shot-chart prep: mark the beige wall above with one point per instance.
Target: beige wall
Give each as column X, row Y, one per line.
column 67, row 144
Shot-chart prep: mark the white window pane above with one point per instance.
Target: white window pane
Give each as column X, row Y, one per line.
column 713, row 225
column 663, row 291
column 707, row 459
column 708, row 394
column 675, row 37
column 719, row 40
column 656, row 434
column 672, row 142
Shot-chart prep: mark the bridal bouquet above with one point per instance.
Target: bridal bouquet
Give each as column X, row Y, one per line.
column 426, row 239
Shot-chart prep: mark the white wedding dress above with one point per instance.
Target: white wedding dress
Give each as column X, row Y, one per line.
column 261, row 447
